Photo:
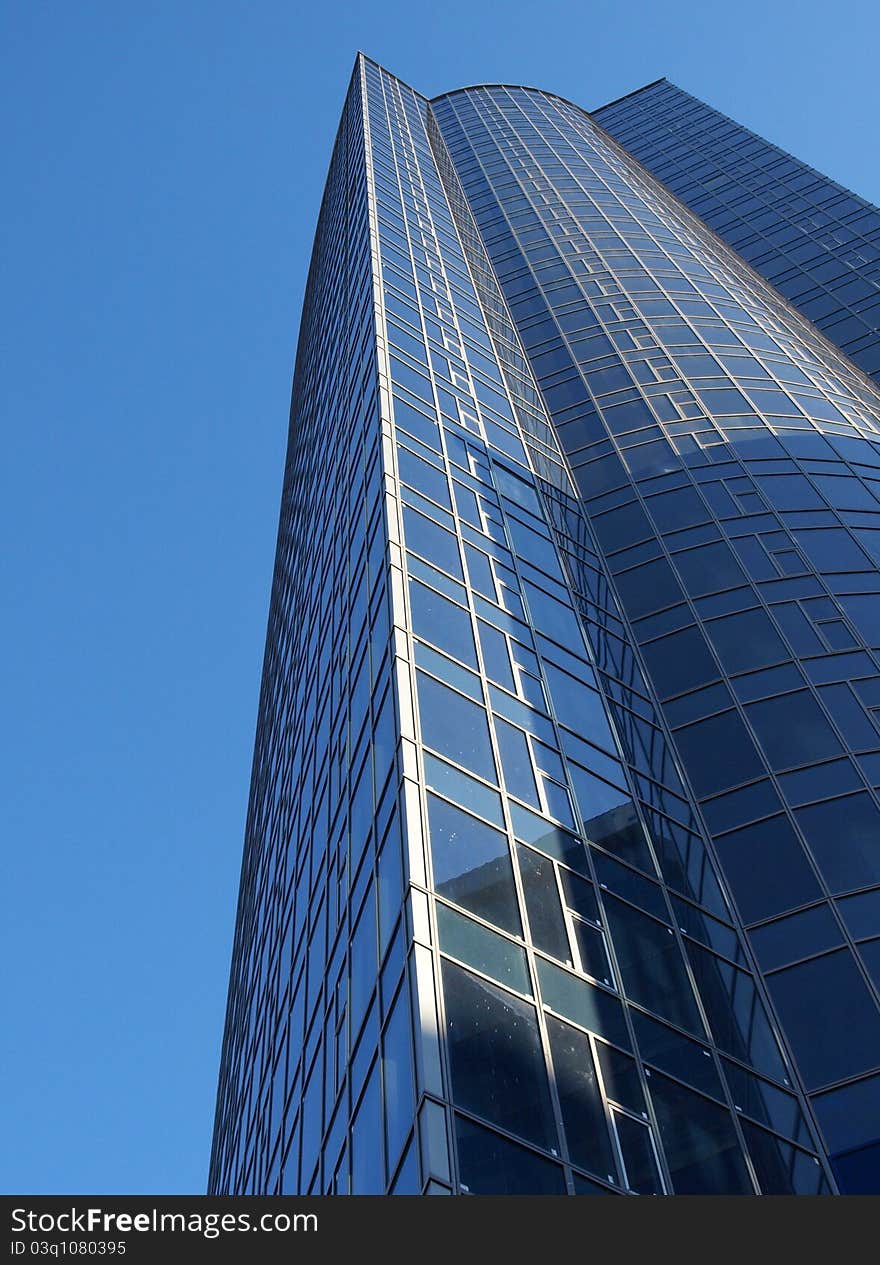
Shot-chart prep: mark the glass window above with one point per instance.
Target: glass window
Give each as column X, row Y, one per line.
column 817, row 1002
column 795, row 937
column 455, row 726
column 790, row 492
column 672, row 1052
column 708, row 569
column 579, row 895
column 496, row 656
column 832, row 778
column 792, row 729
column 450, row 672
column 549, row 838
column 546, row 920
column 596, row 799
column 579, row 707
column 633, row 887
column 673, row 510
column 552, row 617
column 850, row 1116
column 575, row 999
column 746, row 640
column 767, row 869
column 783, row 1169
column 679, row 662
column 407, row 1180
column 436, row 544
column 862, row 913
column 583, row 1186
column 592, row 952
column 397, row 1077
column 620, row 1076
column 423, row 477
column 832, row 549
column 736, row 1014
column 516, row 762
column 651, row 964
column 620, row 527
column 844, row 837
column 648, row 587
column 480, row 572
column 407, row 418
column 621, row 832
column 481, row 948
column 639, row 1160
column 699, row 1141
column 700, row 745
column 766, row 1103
column 441, row 622
column 580, row 1100
column 491, row 1165
column 472, row 865
column 366, row 1141
column 496, row 1059
column 364, row 967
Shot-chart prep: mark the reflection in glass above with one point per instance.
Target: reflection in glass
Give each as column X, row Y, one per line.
column 580, row 1100
column 472, row 865
column 497, row 1065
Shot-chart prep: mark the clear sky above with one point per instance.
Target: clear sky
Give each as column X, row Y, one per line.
column 163, row 166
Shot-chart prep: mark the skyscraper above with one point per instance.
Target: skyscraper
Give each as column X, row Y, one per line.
column 818, row 243
column 562, row 863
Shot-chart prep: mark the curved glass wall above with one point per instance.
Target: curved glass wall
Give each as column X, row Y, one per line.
column 728, row 459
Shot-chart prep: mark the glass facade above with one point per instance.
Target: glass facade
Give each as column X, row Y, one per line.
column 818, row 243
column 562, row 868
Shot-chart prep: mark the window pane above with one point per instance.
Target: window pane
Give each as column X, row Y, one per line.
column 699, row 745
column 498, row 1069
column 651, row 965
column 441, row 622
column 472, row 865
column 798, row 936
column 782, row 1169
column 546, row 921
column 746, row 640
column 481, row 948
column 549, row 838
column 397, row 1077
column 492, row 1165
column 638, row 1155
column 844, row 837
column 432, row 542
column 455, row 726
column 767, row 869
column 736, row 1014
column 679, row 662
column 699, row 1141
column 672, row 1052
column 792, row 729
column 575, row 999
column 819, row 1000
column 579, row 895
column 516, row 762
column 496, row 655
column 593, row 954
column 766, row 1103
column 579, row 707
column 850, row 1116
column 580, row 1100
column 366, row 1141
column 620, row 1076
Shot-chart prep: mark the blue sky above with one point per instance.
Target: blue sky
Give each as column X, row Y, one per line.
column 163, row 171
